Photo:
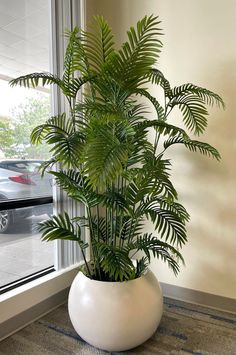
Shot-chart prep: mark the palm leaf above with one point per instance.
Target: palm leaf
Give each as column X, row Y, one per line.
column 161, row 250
column 157, row 77
column 67, row 150
column 175, row 207
column 77, row 187
column 106, row 152
column 98, row 43
column 100, row 228
column 75, row 85
column 161, row 127
column 159, row 109
column 141, row 266
column 47, row 165
column 61, row 227
column 137, row 55
column 166, row 222
column 209, row 97
column 48, row 131
column 75, row 59
column 194, row 146
column 36, row 79
column 193, row 110
column 115, row 262
column 59, row 132
column 157, row 177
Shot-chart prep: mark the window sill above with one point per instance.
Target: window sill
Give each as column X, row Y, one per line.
column 28, row 296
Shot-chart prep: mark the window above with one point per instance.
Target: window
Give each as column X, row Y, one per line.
column 25, row 197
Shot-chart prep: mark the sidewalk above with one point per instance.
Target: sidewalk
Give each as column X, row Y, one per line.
column 23, row 253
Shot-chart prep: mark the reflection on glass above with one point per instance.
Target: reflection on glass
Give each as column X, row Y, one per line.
column 21, row 251
column 20, row 179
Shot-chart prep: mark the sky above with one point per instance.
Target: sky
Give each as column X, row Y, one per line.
column 12, row 97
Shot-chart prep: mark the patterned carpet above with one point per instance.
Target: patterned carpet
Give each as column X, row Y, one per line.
column 185, row 329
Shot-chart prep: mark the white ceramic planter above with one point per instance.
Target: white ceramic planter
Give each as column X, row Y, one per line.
column 115, row 316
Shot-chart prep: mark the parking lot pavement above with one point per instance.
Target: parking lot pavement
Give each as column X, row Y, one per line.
column 23, row 253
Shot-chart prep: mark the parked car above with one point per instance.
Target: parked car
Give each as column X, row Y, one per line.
column 20, row 179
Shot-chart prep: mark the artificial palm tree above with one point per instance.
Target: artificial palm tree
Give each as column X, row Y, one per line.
column 104, row 157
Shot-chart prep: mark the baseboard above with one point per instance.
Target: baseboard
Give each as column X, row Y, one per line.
column 199, row 297
column 22, row 319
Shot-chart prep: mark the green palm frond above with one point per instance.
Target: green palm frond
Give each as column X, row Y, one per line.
column 207, row 96
column 112, row 93
column 157, row 177
column 136, row 57
column 59, row 132
column 193, row 110
column 99, row 226
column 115, row 262
column 106, row 153
column 47, row 165
column 149, row 185
column 161, row 127
column 113, row 199
column 98, row 43
column 168, row 224
column 150, row 180
column 194, row 146
column 77, row 187
column 141, row 266
column 48, row 131
column 75, row 58
column 156, row 77
column 37, row 79
column 175, row 207
column 130, row 230
column 161, row 250
column 67, row 150
column 75, row 85
column 61, row 227
column 159, row 109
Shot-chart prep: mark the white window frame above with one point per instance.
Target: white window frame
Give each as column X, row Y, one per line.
column 65, row 15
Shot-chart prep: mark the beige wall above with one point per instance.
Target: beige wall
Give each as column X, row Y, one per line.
column 199, row 47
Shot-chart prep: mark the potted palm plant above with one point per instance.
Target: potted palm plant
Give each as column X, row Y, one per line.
column 105, row 160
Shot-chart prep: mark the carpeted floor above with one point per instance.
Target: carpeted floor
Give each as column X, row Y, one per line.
column 185, row 329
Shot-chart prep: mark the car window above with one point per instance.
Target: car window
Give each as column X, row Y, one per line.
column 28, row 167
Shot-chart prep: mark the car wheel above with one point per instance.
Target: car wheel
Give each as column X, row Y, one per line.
column 5, row 221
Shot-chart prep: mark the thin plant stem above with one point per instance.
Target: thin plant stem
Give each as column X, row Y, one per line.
column 86, row 264
column 95, row 255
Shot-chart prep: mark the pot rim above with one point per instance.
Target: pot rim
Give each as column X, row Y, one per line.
column 113, row 282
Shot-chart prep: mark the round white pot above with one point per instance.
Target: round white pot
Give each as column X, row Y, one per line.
column 115, row 316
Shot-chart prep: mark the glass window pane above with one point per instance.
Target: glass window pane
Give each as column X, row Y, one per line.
column 22, row 252
column 24, row 44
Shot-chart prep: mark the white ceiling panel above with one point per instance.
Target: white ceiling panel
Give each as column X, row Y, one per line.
column 7, row 61
column 24, row 36
column 9, row 38
column 9, row 52
column 26, row 48
column 38, row 20
column 41, row 40
column 23, row 29
column 5, row 19
column 21, row 8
